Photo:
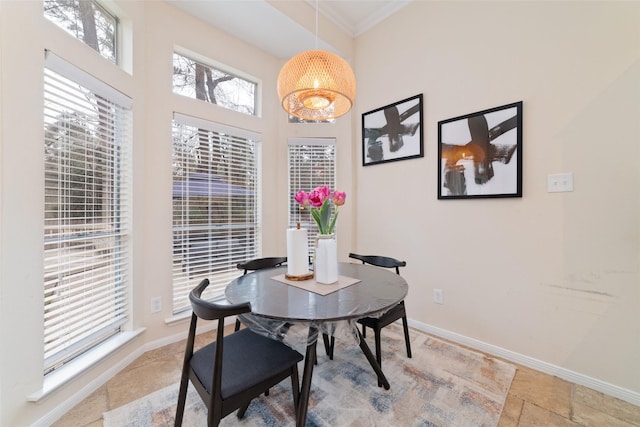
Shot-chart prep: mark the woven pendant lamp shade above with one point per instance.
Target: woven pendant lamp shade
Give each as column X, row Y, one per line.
column 316, row 85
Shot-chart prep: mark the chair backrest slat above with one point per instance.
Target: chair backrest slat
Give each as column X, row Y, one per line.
column 211, row 311
column 261, row 263
column 380, row 261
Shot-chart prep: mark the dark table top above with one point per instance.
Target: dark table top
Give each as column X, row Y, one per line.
column 378, row 290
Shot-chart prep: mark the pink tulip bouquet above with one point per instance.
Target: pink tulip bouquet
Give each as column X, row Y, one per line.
column 319, row 201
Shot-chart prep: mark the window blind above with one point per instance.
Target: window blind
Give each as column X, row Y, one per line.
column 216, row 221
column 312, row 163
column 86, row 228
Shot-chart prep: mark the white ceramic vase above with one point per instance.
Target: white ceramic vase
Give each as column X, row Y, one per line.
column 326, row 262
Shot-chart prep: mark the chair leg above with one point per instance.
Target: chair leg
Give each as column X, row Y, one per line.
column 237, row 328
column 364, row 331
column 182, row 398
column 325, row 340
column 214, row 416
column 378, row 351
column 333, row 345
column 243, row 410
column 406, row 336
column 295, row 387
column 328, row 345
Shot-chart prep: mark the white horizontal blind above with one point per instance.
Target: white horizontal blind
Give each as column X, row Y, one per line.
column 215, row 192
column 86, row 147
column 312, row 163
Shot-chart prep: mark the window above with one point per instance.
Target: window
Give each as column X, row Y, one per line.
column 86, row 20
column 215, row 205
column 294, row 119
column 200, row 81
column 86, row 150
column 312, row 163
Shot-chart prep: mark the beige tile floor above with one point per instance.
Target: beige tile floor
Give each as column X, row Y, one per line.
column 535, row 399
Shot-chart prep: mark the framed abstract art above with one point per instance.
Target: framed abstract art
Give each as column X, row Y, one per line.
column 480, row 154
column 393, row 132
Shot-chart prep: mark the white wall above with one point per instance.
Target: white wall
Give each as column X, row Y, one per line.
column 553, row 276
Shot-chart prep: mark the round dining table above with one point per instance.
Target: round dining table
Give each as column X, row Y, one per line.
column 361, row 291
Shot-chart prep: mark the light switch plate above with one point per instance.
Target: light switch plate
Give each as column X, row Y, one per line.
column 560, row 182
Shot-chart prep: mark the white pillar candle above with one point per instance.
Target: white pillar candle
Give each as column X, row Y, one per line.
column 297, row 252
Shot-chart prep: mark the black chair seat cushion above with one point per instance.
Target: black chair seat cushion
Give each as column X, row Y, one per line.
column 248, row 359
column 386, row 319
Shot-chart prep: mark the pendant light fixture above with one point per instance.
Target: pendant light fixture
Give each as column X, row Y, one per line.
column 316, row 84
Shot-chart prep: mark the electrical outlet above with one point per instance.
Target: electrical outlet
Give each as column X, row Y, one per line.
column 438, row 296
column 156, row 304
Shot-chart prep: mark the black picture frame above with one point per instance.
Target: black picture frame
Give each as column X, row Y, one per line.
column 393, row 132
column 480, row 154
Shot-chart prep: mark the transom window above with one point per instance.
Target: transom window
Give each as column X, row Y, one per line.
column 216, row 222
column 197, row 80
column 87, row 21
column 294, row 119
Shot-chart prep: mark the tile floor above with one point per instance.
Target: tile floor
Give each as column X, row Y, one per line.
column 535, row 399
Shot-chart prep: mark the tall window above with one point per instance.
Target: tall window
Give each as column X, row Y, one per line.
column 86, row 150
column 201, row 81
column 87, row 21
column 312, row 163
column 216, row 221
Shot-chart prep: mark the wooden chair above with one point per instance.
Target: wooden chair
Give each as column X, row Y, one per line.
column 233, row 370
column 395, row 313
column 259, row 264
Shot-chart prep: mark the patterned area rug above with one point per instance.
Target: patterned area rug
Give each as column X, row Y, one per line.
column 442, row 385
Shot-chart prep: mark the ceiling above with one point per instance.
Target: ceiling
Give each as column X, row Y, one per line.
column 258, row 23
column 357, row 16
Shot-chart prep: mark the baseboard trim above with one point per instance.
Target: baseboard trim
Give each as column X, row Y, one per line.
column 530, row 362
